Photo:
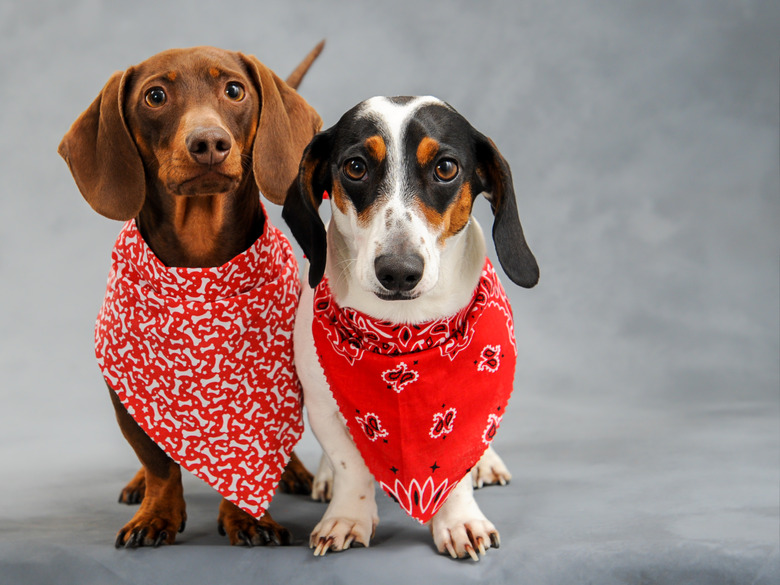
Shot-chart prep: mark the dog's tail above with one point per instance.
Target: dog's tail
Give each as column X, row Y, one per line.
column 295, row 78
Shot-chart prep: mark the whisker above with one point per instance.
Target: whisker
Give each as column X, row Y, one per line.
column 344, row 265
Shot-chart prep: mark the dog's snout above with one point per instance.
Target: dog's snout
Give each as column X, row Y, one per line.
column 209, row 146
column 399, row 273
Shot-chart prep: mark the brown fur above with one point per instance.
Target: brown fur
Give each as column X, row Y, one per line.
column 376, row 148
column 131, row 160
column 454, row 218
column 426, row 150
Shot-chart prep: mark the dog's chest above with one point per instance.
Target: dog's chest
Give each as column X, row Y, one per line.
column 431, row 396
column 202, row 360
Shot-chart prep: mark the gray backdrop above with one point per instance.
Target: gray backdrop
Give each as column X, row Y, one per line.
column 643, row 137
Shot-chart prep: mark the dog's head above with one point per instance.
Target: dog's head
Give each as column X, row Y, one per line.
column 403, row 175
column 188, row 122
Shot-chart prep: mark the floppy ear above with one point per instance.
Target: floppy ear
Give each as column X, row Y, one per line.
column 515, row 256
column 102, row 156
column 286, row 125
column 301, row 208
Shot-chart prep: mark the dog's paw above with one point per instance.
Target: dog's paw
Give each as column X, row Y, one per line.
column 464, row 539
column 490, row 470
column 150, row 528
column 322, row 488
column 243, row 529
column 340, row 533
column 296, row 479
column 134, row 491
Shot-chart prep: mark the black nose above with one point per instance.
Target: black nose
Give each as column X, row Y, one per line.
column 399, row 273
column 209, row 146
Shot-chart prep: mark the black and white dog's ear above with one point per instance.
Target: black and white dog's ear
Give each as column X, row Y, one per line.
column 515, row 256
column 301, row 207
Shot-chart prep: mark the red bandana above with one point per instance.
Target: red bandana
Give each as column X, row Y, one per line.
column 202, row 360
column 423, row 401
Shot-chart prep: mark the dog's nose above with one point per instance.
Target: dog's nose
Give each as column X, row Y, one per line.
column 209, row 146
column 399, row 273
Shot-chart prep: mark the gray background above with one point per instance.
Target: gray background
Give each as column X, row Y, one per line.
column 643, row 137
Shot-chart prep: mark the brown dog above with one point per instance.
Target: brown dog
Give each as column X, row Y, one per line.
column 181, row 142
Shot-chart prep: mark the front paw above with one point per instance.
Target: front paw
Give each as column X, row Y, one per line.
column 464, row 538
column 490, row 470
column 245, row 530
column 340, row 533
column 150, row 528
column 322, row 488
column 134, row 491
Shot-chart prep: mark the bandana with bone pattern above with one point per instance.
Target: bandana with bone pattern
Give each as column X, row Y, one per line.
column 202, row 360
column 422, row 401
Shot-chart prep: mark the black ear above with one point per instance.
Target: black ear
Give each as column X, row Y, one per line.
column 515, row 256
column 302, row 205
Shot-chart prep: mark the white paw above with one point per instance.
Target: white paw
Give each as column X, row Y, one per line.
column 490, row 470
column 464, row 538
column 338, row 533
column 322, row 486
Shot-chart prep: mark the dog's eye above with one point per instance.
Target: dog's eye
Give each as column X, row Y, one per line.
column 355, row 169
column 446, row 170
column 155, row 97
column 235, row 91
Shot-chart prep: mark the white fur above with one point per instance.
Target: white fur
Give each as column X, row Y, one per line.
column 452, row 270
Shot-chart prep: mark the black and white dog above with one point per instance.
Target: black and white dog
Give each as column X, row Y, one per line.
column 403, row 247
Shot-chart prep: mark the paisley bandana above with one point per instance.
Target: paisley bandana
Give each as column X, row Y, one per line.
column 202, row 360
column 423, row 401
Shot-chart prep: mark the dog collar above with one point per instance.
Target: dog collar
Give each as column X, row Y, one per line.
column 202, row 360
column 423, row 401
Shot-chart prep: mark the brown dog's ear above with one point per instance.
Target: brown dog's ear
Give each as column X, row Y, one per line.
column 515, row 256
column 102, row 156
column 301, row 208
column 287, row 124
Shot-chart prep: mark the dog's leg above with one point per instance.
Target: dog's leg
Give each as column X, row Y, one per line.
column 351, row 517
column 296, row 479
column 163, row 512
column 243, row 529
column 490, row 470
column 459, row 528
column 322, row 489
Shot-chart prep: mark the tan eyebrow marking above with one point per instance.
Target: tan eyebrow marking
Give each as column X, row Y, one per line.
column 171, row 76
column 214, row 72
column 426, row 150
column 376, row 147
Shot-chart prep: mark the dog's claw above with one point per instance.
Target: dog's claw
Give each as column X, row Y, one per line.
column 451, row 550
column 160, row 539
column 181, row 527
column 495, row 540
column 136, row 538
column 120, row 539
column 470, row 549
column 242, row 536
column 323, row 546
column 481, row 547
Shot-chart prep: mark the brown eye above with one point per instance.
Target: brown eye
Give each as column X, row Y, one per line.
column 355, row 169
column 446, row 170
column 155, row 97
column 235, row 91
